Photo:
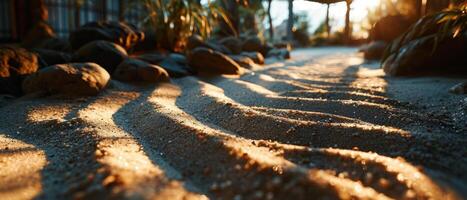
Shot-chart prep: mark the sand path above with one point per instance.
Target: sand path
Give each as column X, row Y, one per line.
column 324, row 125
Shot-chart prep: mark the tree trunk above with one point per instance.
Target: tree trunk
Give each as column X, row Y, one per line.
column 347, row 29
column 328, row 27
column 418, row 8
column 290, row 22
column 271, row 26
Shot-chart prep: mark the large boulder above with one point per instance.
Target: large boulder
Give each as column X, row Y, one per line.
column 176, row 65
column 209, row 61
column 120, row 33
column 196, row 41
column 134, row 70
column 418, row 57
column 389, row 28
column 51, row 57
column 232, row 43
column 15, row 64
column 72, row 79
column 374, row 50
column 257, row 57
column 107, row 54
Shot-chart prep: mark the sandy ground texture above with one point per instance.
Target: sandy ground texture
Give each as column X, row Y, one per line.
column 324, row 125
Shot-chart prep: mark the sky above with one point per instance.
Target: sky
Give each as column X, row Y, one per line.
column 317, row 12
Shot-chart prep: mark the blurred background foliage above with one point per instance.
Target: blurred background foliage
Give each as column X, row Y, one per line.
column 173, row 21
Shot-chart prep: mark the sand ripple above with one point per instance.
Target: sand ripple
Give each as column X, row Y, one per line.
column 320, row 126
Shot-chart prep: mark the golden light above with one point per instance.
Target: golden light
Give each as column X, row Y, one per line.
column 359, row 14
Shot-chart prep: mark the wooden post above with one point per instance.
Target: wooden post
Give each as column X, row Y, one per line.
column 104, row 10
column 290, row 22
column 77, row 14
column 271, row 26
column 328, row 27
column 347, row 29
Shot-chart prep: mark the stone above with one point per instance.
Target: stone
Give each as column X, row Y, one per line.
column 266, row 48
column 389, row 28
column 257, row 57
column 56, row 44
column 119, row 33
column 134, row 70
column 374, row 50
column 279, row 53
column 243, row 61
column 15, row 64
column 196, row 41
column 252, row 43
column 460, row 88
column 72, row 79
column 153, row 58
column 209, row 61
column 149, row 43
column 106, row 54
column 232, row 43
column 51, row 57
column 176, row 65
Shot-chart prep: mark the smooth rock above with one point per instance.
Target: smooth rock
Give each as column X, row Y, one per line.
column 257, row 57
column 209, row 61
column 153, row 58
column 134, row 70
column 243, row 61
column 149, row 43
column 51, row 57
column 232, row 43
column 196, row 41
column 279, row 53
column 176, row 65
column 389, row 28
column 460, row 88
column 252, row 43
column 15, row 64
column 374, row 50
column 72, row 79
column 119, row 33
column 107, row 54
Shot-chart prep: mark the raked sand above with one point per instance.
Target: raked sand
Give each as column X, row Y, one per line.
column 323, row 125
